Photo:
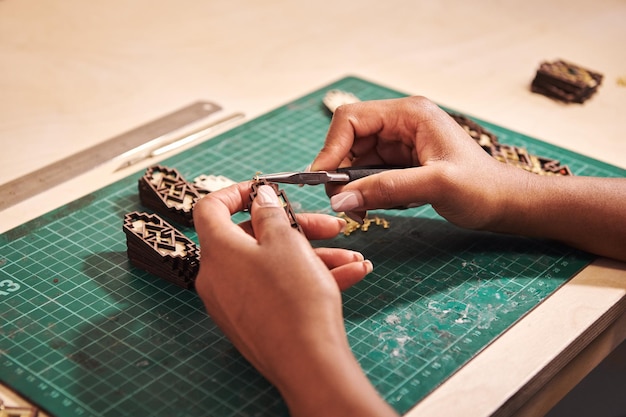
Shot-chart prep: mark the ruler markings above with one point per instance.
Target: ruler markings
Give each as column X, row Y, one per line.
column 67, row 168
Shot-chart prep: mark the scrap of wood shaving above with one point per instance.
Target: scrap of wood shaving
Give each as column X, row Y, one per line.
column 335, row 98
column 352, row 226
column 212, row 183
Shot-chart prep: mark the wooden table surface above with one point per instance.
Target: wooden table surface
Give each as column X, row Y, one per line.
column 75, row 73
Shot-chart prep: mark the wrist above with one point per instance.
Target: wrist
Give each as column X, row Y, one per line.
column 329, row 381
column 550, row 207
column 512, row 206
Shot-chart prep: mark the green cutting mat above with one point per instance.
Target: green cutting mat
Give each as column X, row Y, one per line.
column 85, row 334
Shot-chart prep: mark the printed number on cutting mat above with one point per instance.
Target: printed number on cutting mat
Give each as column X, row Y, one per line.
column 7, row 286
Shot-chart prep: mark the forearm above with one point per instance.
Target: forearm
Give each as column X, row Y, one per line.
column 585, row 212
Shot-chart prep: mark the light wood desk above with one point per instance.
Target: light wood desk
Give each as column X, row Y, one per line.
column 76, row 73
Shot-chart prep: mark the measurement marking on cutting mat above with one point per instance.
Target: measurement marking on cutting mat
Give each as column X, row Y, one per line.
column 8, row 286
column 58, row 172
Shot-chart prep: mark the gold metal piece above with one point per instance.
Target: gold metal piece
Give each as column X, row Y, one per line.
column 352, row 226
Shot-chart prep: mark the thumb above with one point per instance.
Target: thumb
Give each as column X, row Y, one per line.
column 408, row 187
column 268, row 217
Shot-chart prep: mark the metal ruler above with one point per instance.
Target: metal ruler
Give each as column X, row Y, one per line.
column 58, row 172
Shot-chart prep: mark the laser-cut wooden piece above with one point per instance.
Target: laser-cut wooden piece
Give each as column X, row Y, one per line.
column 157, row 247
column 165, row 191
column 18, row 411
column 281, row 195
column 335, row 98
column 508, row 154
column 211, row 183
column 565, row 81
column 206, row 184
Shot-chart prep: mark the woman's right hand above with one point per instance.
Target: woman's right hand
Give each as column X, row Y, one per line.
column 448, row 169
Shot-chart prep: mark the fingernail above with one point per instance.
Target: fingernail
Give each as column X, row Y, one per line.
column 346, row 201
column 266, row 197
column 342, row 224
column 358, row 256
column 369, row 267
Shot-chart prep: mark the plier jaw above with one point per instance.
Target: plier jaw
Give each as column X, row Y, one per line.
column 340, row 176
column 307, row 178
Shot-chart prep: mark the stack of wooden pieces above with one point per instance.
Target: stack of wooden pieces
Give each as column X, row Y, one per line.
column 155, row 246
column 565, row 81
column 509, row 154
column 165, row 191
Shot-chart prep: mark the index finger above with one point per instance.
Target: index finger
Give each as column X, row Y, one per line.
column 350, row 123
column 212, row 214
column 339, row 140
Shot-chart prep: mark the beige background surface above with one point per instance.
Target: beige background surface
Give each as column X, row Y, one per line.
column 75, row 73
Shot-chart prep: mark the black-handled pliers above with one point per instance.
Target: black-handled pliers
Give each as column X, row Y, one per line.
column 340, row 176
